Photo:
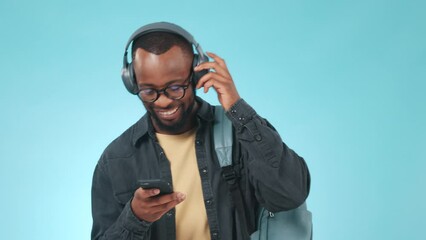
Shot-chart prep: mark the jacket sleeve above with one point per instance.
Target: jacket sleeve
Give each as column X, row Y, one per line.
column 112, row 220
column 278, row 175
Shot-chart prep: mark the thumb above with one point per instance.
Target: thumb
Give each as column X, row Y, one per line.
column 180, row 196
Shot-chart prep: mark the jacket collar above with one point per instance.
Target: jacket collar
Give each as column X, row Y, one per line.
column 144, row 125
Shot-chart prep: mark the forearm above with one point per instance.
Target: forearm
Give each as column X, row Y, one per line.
column 279, row 176
column 110, row 219
column 126, row 226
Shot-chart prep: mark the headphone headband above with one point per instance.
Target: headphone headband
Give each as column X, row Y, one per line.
column 127, row 70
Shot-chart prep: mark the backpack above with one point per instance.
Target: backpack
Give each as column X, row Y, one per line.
column 294, row 224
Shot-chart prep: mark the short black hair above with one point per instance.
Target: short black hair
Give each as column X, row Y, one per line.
column 160, row 42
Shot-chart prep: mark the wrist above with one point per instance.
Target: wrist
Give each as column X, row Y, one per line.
column 231, row 103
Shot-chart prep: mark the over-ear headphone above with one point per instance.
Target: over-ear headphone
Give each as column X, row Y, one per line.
column 127, row 72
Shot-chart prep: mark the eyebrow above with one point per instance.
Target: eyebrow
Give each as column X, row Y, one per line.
column 150, row 85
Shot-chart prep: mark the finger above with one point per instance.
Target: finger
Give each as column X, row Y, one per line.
column 156, row 212
column 208, row 85
column 146, row 193
column 217, row 59
column 212, row 65
column 219, row 86
column 173, row 204
column 167, row 198
column 157, row 203
column 211, row 76
column 167, row 205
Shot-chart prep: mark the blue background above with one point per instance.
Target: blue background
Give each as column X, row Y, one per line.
column 342, row 81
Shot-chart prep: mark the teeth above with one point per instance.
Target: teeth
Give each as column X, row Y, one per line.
column 168, row 112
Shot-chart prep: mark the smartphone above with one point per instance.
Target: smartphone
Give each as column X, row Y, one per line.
column 165, row 187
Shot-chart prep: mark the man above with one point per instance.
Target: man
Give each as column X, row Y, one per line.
column 173, row 142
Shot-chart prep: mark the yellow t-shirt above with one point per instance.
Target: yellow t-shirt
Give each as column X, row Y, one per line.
column 191, row 217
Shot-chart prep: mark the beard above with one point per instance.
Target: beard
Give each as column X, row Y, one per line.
column 177, row 126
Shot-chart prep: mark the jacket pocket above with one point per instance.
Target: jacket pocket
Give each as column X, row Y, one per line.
column 123, row 176
column 124, row 197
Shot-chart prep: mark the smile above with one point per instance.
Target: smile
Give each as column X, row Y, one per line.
column 168, row 113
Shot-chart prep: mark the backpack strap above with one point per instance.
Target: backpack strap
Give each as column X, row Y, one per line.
column 222, row 131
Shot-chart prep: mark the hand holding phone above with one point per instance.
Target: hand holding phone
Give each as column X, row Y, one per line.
column 149, row 204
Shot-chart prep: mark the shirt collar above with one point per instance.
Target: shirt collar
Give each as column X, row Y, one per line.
column 144, row 125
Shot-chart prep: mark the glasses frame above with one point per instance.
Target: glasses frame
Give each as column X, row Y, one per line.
column 163, row 91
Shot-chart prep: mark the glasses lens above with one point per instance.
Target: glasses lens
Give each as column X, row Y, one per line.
column 148, row 94
column 175, row 92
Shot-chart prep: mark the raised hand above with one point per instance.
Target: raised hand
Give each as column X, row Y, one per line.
column 220, row 79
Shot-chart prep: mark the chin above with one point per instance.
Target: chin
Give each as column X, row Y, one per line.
column 175, row 126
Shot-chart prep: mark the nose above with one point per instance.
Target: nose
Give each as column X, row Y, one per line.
column 163, row 101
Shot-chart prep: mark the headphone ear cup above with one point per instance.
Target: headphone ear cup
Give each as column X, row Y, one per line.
column 129, row 80
column 197, row 75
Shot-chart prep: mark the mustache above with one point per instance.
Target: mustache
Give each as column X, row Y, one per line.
column 168, row 107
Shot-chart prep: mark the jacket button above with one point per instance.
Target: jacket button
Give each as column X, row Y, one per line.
column 258, row 137
column 209, row 202
column 204, row 171
column 198, row 142
column 275, row 164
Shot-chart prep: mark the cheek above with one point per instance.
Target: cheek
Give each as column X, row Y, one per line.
column 148, row 106
column 189, row 96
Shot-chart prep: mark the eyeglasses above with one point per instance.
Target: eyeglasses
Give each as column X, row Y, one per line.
column 174, row 92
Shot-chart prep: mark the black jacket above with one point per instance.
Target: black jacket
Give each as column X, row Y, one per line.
column 271, row 175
